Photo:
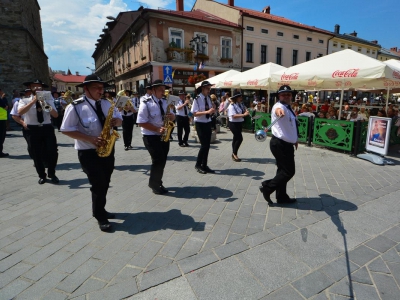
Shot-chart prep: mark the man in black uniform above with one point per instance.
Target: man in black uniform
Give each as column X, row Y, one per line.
column 182, row 119
column 282, row 145
column 83, row 121
column 127, row 122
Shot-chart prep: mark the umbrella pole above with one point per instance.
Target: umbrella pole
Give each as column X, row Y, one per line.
column 387, row 99
column 341, row 101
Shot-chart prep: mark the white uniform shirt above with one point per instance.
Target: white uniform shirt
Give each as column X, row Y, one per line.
column 181, row 112
column 30, row 117
column 286, row 128
column 199, row 104
column 150, row 112
column 144, row 97
column 14, row 110
column 136, row 103
column 235, row 109
column 81, row 117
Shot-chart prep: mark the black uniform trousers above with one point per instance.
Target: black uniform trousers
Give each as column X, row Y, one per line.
column 3, row 129
column 127, row 129
column 236, row 129
column 43, row 144
column 284, row 155
column 183, row 124
column 204, row 134
column 58, row 121
column 25, row 135
column 134, row 118
column 158, row 151
column 98, row 170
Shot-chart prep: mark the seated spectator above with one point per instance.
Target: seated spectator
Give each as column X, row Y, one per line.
column 354, row 110
column 353, row 117
column 325, row 107
column 295, row 107
column 363, row 114
column 308, row 113
column 331, row 114
column 258, row 107
column 345, row 112
column 382, row 113
column 391, row 114
column 321, row 115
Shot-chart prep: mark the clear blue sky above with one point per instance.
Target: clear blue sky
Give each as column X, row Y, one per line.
column 70, row 34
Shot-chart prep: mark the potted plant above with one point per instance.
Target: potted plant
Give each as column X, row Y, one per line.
column 226, row 60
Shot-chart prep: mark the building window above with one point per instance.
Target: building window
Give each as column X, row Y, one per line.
column 76, row 89
column 342, row 46
column 203, row 47
column 308, row 56
column 250, row 28
column 264, row 31
column 321, row 41
column 368, row 51
column 249, row 52
column 294, row 57
column 279, row 56
column 296, row 36
column 69, row 88
column 263, row 54
column 176, row 37
column 141, row 45
column 349, row 46
column 226, row 46
column 309, row 39
column 320, row 55
column 279, row 33
column 334, row 44
column 359, row 49
column 373, row 51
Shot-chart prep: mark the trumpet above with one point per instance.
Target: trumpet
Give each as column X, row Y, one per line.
column 41, row 97
column 128, row 105
column 67, row 97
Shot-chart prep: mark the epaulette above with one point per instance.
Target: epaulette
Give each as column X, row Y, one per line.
column 146, row 99
column 78, row 101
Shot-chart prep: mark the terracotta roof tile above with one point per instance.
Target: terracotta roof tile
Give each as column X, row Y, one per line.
column 69, row 78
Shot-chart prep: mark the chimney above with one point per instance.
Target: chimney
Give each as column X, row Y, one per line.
column 77, row 73
column 266, row 10
column 354, row 33
column 337, row 28
column 374, row 42
column 179, row 5
column 231, row 2
column 393, row 49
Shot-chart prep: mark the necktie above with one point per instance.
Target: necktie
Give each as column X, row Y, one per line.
column 39, row 112
column 291, row 110
column 161, row 108
column 185, row 108
column 100, row 113
column 206, row 107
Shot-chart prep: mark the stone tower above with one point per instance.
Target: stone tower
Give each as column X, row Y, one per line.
column 22, row 55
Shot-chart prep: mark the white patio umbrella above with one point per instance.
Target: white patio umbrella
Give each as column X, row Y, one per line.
column 217, row 78
column 341, row 70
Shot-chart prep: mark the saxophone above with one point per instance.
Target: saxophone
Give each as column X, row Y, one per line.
column 68, row 97
column 108, row 134
column 168, row 125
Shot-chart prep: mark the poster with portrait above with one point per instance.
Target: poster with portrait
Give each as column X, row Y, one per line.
column 378, row 135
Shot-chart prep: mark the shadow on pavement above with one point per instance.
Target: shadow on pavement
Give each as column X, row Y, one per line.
column 65, row 145
column 257, row 175
column 333, row 211
column 261, row 160
column 182, row 158
column 142, row 222
column 133, row 168
column 204, row 192
column 75, row 183
column 25, row 156
column 68, row 166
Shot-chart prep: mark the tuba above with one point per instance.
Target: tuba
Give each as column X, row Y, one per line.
column 168, row 125
column 108, row 134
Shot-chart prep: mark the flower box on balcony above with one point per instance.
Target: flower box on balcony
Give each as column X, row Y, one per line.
column 226, row 60
column 128, row 65
column 202, row 57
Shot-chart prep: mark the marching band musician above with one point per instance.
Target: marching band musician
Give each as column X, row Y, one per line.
column 236, row 113
column 135, row 102
column 282, row 145
column 202, row 110
column 127, row 123
column 152, row 111
column 40, row 136
column 182, row 119
column 60, row 105
column 83, row 121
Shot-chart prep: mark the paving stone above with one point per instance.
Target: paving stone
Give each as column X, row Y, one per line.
column 287, row 292
column 46, row 251
column 13, row 273
column 176, row 289
column 14, row 288
column 114, row 265
column 378, row 265
column 71, row 264
column 395, row 270
column 217, row 236
column 361, row 276
column 361, row 255
column 339, row 268
column 283, row 229
column 320, row 296
column 157, row 276
column 391, row 256
column 365, row 292
column 342, row 288
column 144, row 256
column 16, row 257
column 381, row 243
column 239, row 225
column 117, row 291
column 272, row 265
column 54, row 295
column 386, row 286
column 274, row 216
column 393, row 234
column 173, row 246
column 127, row 273
column 159, row 261
column 312, row 284
column 233, row 237
column 225, row 280
column 89, row 286
column 258, row 238
column 197, row 261
column 231, row 249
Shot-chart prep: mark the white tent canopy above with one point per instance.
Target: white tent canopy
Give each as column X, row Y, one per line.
column 222, row 76
column 256, row 78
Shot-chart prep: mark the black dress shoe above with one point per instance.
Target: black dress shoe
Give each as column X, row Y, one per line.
column 126, row 148
column 55, row 179
column 266, row 195
column 157, row 190
column 265, row 182
column 104, row 225
column 186, row 144
column 108, row 215
column 42, row 180
column 200, row 170
column 286, row 201
column 208, row 170
column 2, row 154
column 237, row 159
column 163, row 189
column 182, row 145
column 130, row 147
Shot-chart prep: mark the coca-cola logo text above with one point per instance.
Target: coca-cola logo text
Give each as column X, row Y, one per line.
column 311, row 83
column 292, row 76
column 396, row 74
column 227, row 83
column 347, row 73
column 252, row 82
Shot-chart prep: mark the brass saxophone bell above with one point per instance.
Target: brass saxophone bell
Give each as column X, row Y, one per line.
column 260, row 135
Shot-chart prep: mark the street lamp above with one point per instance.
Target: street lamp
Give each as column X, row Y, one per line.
column 91, row 70
column 198, row 42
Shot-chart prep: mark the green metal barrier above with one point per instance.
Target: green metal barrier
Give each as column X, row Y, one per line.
column 363, row 137
column 303, row 128
column 394, row 139
column 247, row 123
column 333, row 133
column 264, row 121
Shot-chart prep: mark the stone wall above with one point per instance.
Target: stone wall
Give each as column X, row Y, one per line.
column 21, row 45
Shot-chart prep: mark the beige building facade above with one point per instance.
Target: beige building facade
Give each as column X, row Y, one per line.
column 386, row 54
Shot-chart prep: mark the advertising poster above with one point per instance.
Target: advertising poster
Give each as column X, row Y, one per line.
column 378, row 135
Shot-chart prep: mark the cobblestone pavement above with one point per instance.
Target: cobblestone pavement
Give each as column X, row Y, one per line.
column 212, row 237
